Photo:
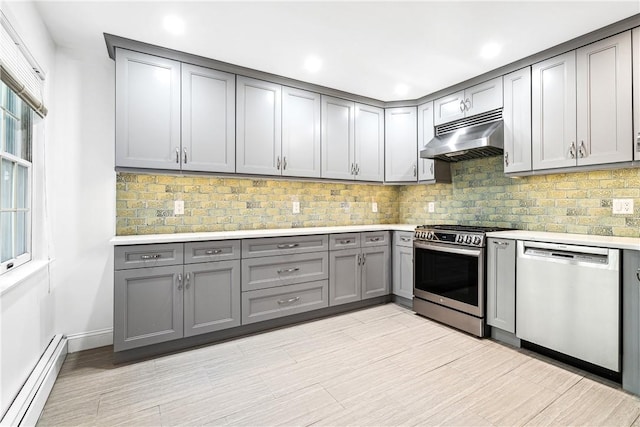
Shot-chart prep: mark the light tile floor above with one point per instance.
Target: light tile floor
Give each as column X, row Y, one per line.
column 379, row 366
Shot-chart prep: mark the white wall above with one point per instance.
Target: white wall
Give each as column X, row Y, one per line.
column 75, row 297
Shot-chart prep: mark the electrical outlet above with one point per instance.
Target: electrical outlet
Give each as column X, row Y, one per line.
column 374, row 207
column 296, row 207
column 431, row 207
column 622, row 206
column 178, row 207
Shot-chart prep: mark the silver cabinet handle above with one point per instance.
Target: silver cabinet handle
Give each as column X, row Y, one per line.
column 431, row 168
column 638, row 275
column 357, row 169
column 188, row 279
column 461, row 106
column 572, row 150
column 288, row 246
column 405, row 239
column 212, row 251
column 177, row 155
column 415, row 170
column 359, row 260
column 467, row 104
column 288, row 270
column 582, row 151
column 288, row 301
column 278, row 163
column 284, row 163
column 185, row 156
column 344, row 242
column 353, row 168
column 154, row 256
column 364, row 258
column 179, row 281
column 500, row 243
column 506, row 158
column 638, row 142
column 374, row 239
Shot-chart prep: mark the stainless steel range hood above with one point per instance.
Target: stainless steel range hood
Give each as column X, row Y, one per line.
column 470, row 138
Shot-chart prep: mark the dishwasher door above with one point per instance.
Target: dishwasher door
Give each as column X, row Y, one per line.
column 568, row 300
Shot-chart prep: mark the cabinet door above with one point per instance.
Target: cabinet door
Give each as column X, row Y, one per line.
column 636, row 92
column 211, row 297
column 483, row 97
column 449, row 108
column 208, row 120
column 369, row 143
column 147, row 306
column 517, row 121
column 403, row 271
column 501, row 284
column 631, row 321
column 375, row 271
column 300, row 133
column 426, row 133
column 604, row 117
column 553, row 115
column 338, row 137
column 147, row 111
column 344, row 276
column 258, row 127
column 401, row 142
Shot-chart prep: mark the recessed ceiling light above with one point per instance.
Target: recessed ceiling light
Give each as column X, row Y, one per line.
column 490, row 50
column 401, row 89
column 312, row 64
column 173, row 24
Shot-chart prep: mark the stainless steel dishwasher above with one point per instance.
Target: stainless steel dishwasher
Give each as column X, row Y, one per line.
column 568, row 300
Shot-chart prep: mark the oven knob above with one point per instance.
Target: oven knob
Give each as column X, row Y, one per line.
column 467, row 240
column 460, row 238
column 430, row 235
column 477, row 240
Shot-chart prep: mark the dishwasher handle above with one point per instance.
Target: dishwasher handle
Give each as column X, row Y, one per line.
column 567, row 253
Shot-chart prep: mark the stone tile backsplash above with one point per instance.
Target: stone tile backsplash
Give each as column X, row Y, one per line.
column 577, row 202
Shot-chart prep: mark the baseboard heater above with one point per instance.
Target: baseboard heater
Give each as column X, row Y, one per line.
column 29, row 403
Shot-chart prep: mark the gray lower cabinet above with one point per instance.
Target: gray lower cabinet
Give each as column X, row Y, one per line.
column 403, row 264
column 501, row 284
column 631, row 321
column 361, row 272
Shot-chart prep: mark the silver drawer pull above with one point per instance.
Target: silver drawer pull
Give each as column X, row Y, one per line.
column 288, row 301
column 405, row 239
column 288, row 246
column 638, row 274
column 212, row 251
column 288, row 270
column 374, row 239
column 154, row 256
column 500, row 243
column 344, row 242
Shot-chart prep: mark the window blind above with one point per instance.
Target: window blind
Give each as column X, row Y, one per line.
column 18, row 68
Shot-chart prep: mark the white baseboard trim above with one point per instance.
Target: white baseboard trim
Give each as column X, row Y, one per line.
column 89, row 340
column 29, row 403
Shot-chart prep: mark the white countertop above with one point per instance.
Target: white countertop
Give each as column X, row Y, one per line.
column 571, row 239
column 249, row 234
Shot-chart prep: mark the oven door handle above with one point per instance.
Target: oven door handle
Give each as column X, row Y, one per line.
column 474, row 252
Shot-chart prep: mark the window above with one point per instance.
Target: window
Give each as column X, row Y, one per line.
column 15, row 180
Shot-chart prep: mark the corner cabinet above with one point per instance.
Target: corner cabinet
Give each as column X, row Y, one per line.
column 501, row 284
column 401, row 142
column 517, row 121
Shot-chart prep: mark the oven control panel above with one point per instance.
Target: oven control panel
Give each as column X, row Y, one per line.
column 452, row 237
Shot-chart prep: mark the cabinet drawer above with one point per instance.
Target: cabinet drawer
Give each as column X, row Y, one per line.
column 219, row 250
column 344, row 241
column 375, row 238
column 267, row 272
column 265, row 304
column 137, row 256
column 269, row 246
column 403, row 238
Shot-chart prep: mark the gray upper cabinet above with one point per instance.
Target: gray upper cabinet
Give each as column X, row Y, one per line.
column 375, row 271
column 258, row 127
column 501, row 284
column 426, row 167
column 636, row 92
column 604, row 101
column 517, row 121
column 474, row 100
column 369, row 143
column 147, row 111
column 553, row 115
column 401, row 142
column 208, row 120
column 211, row 297
column 300, row 133
column 338, row 138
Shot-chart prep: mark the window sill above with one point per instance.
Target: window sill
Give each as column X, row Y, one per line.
column 13, row 279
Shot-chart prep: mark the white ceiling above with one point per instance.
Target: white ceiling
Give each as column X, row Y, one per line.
column 367, row 48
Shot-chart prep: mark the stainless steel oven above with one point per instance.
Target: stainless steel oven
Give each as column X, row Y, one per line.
column 449, row 275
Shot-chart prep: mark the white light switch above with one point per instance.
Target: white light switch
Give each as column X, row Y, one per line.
column 178, row 207
column 623, row 206
column 374, row 207
column 431, row 207
column 296, row 207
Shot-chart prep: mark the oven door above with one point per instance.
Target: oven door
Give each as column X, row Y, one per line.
column 449, row 275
